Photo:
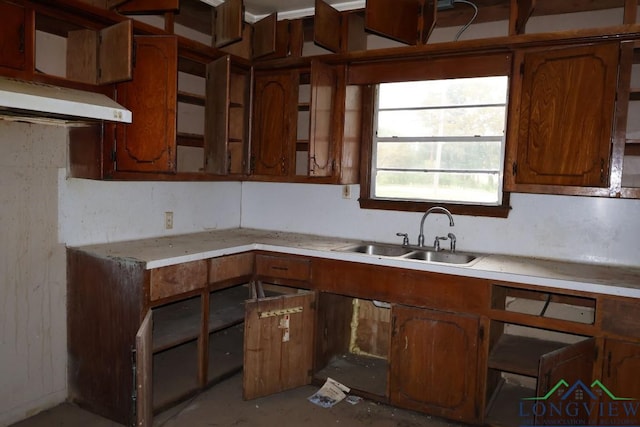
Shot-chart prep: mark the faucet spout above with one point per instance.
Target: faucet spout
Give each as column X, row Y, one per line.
column 439, row 209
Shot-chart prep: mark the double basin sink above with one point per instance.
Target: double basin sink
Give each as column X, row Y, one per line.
column 409, row 252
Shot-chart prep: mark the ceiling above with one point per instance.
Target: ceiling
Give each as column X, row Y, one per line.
column 288, row 9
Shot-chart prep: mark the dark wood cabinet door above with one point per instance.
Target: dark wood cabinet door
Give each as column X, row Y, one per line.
column 407, row 21
column 14, row 33
column 148, row 144
column 216, row 126
column 434, row 363
column 274, row 109
column 144, row 372
column 620, row 376
column 565, row 117
column 321, row 137
column 560, row 371
column 327, row 23
column 278, row 344
column 227, row 22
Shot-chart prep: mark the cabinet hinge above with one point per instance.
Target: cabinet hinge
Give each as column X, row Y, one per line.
column 514, row 169
column 481, row 333
column 134, row 53
column 134, row 388
column 21, row 38
column 113, row 156
column 602, row 174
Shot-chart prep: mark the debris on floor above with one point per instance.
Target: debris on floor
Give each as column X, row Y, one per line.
column 329, row 394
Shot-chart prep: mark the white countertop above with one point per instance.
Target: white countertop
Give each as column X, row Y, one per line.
column 163, row 251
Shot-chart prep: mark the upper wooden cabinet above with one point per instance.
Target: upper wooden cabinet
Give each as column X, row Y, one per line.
column 560, row 121
column 149, row 143
column 91, row 58
column 15, row 39
column 306, row 125
column 274, row 112
column 226, row 134
column 407, row 21
column 338, row 31
column 227, row 22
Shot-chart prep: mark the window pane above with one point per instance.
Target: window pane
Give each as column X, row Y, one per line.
column 441, row 140
column 452, row 155
column 483, row 121
column 442, row 186
column 469, row 91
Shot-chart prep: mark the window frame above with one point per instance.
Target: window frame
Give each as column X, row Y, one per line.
column 430, row 69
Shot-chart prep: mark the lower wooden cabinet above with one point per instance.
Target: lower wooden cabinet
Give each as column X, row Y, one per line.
column 434, row 362
column 620, row 376
column 278, row 343
column 140, row 340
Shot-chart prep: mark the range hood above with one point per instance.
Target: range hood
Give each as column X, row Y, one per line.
column 18, row 97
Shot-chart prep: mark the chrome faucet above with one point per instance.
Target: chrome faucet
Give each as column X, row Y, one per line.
column 433, row 209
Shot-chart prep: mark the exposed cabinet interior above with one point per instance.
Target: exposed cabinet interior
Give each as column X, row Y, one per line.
column 536, row 339
column 540, row 303
column 177, row 337
column 353, row 341
column 226, row 331
column 628, row 128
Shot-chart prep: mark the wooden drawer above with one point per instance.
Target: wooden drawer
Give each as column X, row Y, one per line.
column 620, row 316
column 177, row 279
column 230, row 267
column 279, row 267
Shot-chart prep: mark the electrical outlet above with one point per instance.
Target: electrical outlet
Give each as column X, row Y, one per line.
column 346, row 192
column 168, row 220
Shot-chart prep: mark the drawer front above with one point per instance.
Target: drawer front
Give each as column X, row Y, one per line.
column 279, row 267
column 230, row 267
column 177, row 279
column 620, row 316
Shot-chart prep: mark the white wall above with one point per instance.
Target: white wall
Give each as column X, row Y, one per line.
column 32, row 271
column 107, row 211
column 562, row 227
column 41, row 211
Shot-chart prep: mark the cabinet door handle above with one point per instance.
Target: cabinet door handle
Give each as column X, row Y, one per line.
column 21, row 38
column 276, row 267
column 406, row 342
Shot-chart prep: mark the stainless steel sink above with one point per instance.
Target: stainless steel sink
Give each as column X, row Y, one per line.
column 377, row 249
column 397, row 251
column 441, row 256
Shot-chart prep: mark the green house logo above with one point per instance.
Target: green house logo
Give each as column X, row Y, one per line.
column 579, row 405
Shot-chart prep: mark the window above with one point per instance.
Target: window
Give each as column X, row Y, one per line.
column 440, row 141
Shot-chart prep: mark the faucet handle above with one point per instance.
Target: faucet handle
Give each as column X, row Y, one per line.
column 405, row 238
column 436, row 242
column 452, row 240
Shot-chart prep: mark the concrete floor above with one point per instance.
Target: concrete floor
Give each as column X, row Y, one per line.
column 222, row 406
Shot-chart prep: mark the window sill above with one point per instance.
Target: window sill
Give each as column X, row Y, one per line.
column 501, row 211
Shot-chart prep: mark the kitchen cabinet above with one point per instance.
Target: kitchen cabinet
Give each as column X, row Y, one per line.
column 16, row 46
column 274, row 120
column 315, row 133
column 227, row 119
column 462, row 348
column 149, row 143
column 621, row 358
column 560, row 122
column 527, row 361
column 278, row 343
column 407, row 21
column 338, row 31
column 434, row 362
